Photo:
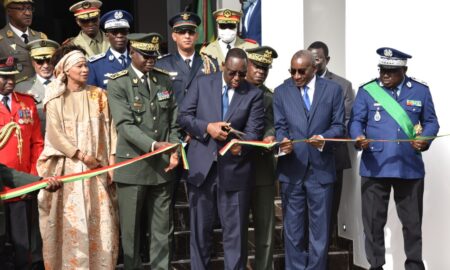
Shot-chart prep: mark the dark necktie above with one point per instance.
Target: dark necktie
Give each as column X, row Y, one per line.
column 228, row 46
column 25, row 38
column 188, row 63
column 47, row 82
column 394, row 93
column 5, row 102
column 306, row 98
column 144, row 77
column 225, row 101
column 123, row 61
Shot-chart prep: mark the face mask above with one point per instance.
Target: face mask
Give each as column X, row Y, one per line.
column 227, row 35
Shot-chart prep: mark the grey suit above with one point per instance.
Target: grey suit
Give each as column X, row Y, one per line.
column 12, row 45
column 35, row 88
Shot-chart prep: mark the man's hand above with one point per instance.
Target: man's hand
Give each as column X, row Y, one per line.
column 187, row 139
column 217, row 130
column 159, row 145
column 316, row 141
column 236, row 149
column 91, row 162
column 269, row 139
column 286, row 146
column 419, row 145
column 173, row 161
column 361, row 142
column 53, row 184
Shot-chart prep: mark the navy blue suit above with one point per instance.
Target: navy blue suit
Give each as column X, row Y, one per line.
column 185, row 75
column 214, row 181
column 102, row 66
column 307, row 174
column 254, row 25
column 387, row 166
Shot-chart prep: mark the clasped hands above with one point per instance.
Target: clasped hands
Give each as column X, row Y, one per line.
column 173, row 160
column 363, row 143
column 219, row 131
column 286, row 145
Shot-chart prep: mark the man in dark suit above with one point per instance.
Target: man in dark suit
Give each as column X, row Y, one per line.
column 307, row 171
column 214, row 106
column 185, row 64
column 252, row 20
column 342, row 158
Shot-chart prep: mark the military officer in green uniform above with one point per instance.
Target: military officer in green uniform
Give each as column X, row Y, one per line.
column 91, row 38
column 144, row 110
column 16, row 34
column 262, row 200
column 227, row 25
column 13, row 178
column 41, row 50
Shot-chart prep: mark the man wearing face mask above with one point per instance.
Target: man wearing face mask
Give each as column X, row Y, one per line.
column 227, row 26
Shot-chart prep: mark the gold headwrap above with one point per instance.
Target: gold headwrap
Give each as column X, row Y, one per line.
column 57, row 87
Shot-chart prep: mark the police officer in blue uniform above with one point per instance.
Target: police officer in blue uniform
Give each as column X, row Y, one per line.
column 185, row 64
column 393, row 106
column 117, row 25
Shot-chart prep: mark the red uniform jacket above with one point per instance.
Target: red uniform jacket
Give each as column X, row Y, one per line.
column 23, row 112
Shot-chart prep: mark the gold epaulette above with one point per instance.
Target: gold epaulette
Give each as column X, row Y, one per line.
column 24, row 78
column 208, row 63
column 118, row 74
column 43, row 36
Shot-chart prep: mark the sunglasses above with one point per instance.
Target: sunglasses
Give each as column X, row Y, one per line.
column 233, row 73
column 117, row 31
column 42, row 61
column 301, row 71
column 231, row 26
column 86, row 21
column 23, row 8
column 184, row 31
column 389, row 70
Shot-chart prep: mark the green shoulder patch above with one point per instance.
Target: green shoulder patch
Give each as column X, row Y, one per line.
column 118, row 74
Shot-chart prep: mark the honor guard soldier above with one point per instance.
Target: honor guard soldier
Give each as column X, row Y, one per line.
column 185, row 65
column 16, row 34
column 91, row 38
column 227, row 27
column 20, row 151
column 145, row 111
column 393, row 106
column 41, row 52
column 262, row 198
column 117, row 25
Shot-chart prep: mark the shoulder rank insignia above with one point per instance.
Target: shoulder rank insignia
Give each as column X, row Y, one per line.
column 96, row 57
column 9, row 34
column 165, row 72
column 118, row 74
column 67, row 41
column 43, row 36
column 208, row 64
column 249, row 40
column 163, row 56
column 24, row 78
column 419, row 81
column 32, row 32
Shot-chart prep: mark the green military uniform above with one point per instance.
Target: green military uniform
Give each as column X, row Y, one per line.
column 144, row 115
column 13, row 45
column 86, row 10
column 11, row 178
column 40, row 49
column 263, row 195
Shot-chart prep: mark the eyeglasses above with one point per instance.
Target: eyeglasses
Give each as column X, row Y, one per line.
column 86, row 21
column 231, row 26
column 233, row 73
column 184, row 31
column 23, row 8
column 301, row 71
column 115, row 32
column 42, row 61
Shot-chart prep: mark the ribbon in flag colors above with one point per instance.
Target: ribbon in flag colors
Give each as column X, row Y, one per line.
column 19, row 191
column 227, row 147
